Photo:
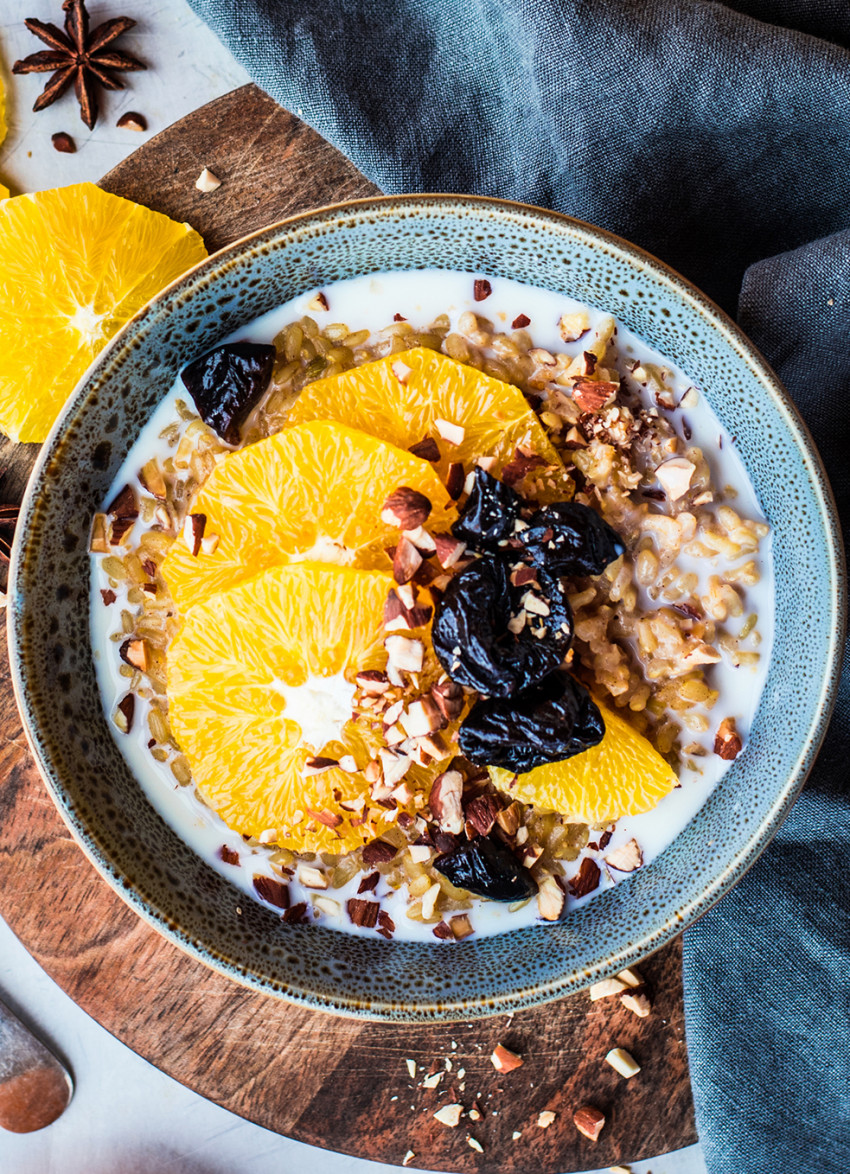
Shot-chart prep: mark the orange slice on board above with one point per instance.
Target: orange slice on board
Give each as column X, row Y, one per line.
column 75, row 264
column 258, row 671
column 420, row 394
column 313, row 493
column 623, row 775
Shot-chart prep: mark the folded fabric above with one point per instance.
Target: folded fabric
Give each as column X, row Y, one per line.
column 767, row 997
column 715, row 136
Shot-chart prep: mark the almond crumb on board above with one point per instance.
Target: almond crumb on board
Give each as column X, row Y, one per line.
column 619, row 1170
column 504, row 1060
column 408, row 1158
column 516, row 1135
column 411, row 1068
column 606, row 988
column 589, row 1120
column 545, row 1119
column 207, row 182
column 449, row 1115
column 637, row 1001
column 622, row 1062
column 475, row 1145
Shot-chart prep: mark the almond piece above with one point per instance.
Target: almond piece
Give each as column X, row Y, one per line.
column 607, row 987
column 451, row 433
column 311, row 878
column 406, row 560
column 622, row 1062
column 504, row 1060
column 727, row 742
column 508, row 819
column 372, row 682
column 378, row 852
column 589, row 1120
column 550, row 899
column 395, row 766
column 573, row 326
column 449, row 698
column 406, row 655
column 445, row 801
column 401, row 370
column 134, row 653
column 421, row 539
column 586, row 879
column 98, row 543
column 450, row 550
column 593, row 394
column 406, row 508
column 626, row 858
column 481, row 812
column 675, row 476
column 636, row 1001
column 449, row 1115
column 151, row 478
column 419, row 853
column 318, row 303
column 426, row 449
column 545, row 1119
column 460, row 926
column 207, row 182
column 422, row 717
column 209, row 543
column 193, row 532
column 316, row 765
column 455, row 478
column 630, row 976
column 360, row 912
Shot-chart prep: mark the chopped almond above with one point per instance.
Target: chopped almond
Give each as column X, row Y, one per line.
column 451, row 433
column 505, row 1060
column 626, row 858
column 589, row 1120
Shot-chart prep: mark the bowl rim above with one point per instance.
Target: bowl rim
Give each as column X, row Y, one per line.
column 649, row 940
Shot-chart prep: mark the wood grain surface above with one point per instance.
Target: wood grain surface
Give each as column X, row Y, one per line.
column 332, row 1082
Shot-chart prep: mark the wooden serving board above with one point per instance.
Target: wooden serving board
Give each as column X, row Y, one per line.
column 337, row 1083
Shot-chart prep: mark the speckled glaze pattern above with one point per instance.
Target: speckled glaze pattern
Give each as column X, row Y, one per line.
column 141, row 856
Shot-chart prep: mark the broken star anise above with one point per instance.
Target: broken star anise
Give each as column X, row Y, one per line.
column 79, row 56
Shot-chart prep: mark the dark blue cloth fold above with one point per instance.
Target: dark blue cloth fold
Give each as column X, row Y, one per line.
column 718, row 137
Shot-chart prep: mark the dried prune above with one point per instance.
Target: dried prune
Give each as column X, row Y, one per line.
column 571, row 539
column 472, row 639
column 549, row 722
column 487, row 868
column 489, row 515
column 227, row 382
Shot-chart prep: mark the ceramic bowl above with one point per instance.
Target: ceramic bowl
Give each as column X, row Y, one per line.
column 140, row 856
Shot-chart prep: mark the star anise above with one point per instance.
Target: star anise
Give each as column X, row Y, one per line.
column 78, row 56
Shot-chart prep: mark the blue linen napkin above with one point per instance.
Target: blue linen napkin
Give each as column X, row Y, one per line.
column 718, row 137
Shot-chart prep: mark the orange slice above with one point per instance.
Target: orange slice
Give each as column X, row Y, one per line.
column 75, row 264
column 253, row 674
column 623, row 775
column 313, row 492
column 407, row 397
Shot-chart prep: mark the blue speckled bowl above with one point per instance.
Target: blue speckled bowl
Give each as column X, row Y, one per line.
column 143, row 859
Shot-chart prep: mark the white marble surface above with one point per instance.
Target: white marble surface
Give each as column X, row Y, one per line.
column 126, row 1116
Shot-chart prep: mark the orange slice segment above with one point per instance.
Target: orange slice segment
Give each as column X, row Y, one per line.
column 623, row 775
column 75, row 264
column 407, row 397
column 253, row 674
column 314, row 492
